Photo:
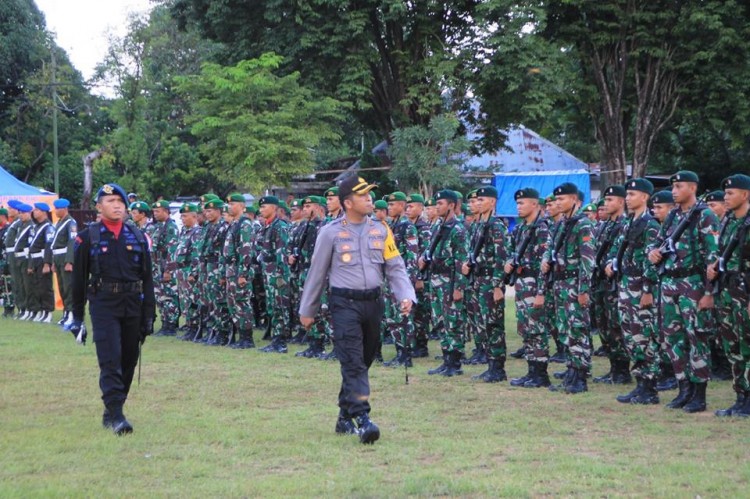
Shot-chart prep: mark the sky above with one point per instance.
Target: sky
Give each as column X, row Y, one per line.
column 82, row 27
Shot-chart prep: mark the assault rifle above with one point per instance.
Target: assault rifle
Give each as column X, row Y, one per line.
column 477, row 247
column 511, row 277
column 297, row 248
column 726, row 255
column 669, row 246
column 428, row 255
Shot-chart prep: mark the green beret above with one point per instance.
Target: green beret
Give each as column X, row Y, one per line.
column 542, row 201
column 216, row 204
column 472, row 194
column 236, row 197
column 141, row 206
column 566, row 188
column 487, row 192
column 662, row 197
column 285, row 207
column 251, row 209
column 590, row 208
column 448, row 195
column 715, row 196
column 208, row 197
column 189, row 208
column 640, row 184
column 396, row 196
column 415, row 198
column 429, row 202
column 737, row 181
column 381, row 205
column 160, row 204
column 319, row 200
column 549, row 198
column 296, row 203
column 526, row 193
column 615, row 191
column 3, row 211
column 332, row 191
column 600, row 203
column 268, row 200
column 684, row 176
column 459, row 195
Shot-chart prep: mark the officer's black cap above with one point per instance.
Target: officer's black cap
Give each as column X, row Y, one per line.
column 354, row 185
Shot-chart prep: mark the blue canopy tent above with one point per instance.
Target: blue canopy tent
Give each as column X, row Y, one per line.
column 544, row 182
column 12, row 188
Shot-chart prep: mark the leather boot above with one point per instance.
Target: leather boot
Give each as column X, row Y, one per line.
column 421, row 350
column 741, row 396
column 345, row 425
column 120, row 425
column 308, row 351
column 529, row 374
column 666, row 380
column 245, row 340
column 518, row 354
column 442, row 367
column 368, row 431
column 744, row 411
column 540, row 378
column 106, row 419
column 577, row 382
column 559, row 357
column 628, row 397
column 406, row 358
column 566, row 379
column 606, row 378
column 621, row 372
column 395, row 361
column 698, row 401
column 648, row 395
column 454, row 365
column 683, row 396
column 299, row 338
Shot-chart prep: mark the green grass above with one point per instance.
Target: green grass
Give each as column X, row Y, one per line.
column 216, row 422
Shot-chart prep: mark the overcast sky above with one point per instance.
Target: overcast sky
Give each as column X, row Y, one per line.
column 81, row 26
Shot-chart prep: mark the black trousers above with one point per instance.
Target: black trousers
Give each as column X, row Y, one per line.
column 356, row 336
column 116, row 336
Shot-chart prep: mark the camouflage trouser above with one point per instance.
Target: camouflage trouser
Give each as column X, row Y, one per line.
column 6, row 287
column 638, row 329
column 167, row 298
column 734, row 331
column 685, row 328
column 447, row 313
column 532, row 322
column 550, row 313
column 597, row 309
column 487, row 319
column 216, row 291
column 203, row 299
column 573, row 323
column 464, row 321
column 399, row 327
column 239, row 301
column 277, row 302
column 18, row 268
column 321, row 328
column 188, row 294
column 610, row 331
column 64, row 282
column 421, row 316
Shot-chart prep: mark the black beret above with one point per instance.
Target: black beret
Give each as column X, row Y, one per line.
column 640, row 184
column 615, row 190
column 566, row 188
column 487, row 192
column 448, row 195
column 715, row 196
column 526, row 193
column 737, row 181
column 684, row 176
column 662, row 197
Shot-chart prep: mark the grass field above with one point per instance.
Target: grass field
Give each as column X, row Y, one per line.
column 214, row 422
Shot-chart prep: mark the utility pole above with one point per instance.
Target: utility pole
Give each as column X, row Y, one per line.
column 55, row 163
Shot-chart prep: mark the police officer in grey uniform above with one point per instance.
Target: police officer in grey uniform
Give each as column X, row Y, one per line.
column 355, row 252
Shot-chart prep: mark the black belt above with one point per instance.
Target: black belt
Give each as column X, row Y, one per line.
column 483, row 272
column 560, row 275
column 118, row 286
column 732, row 279
column 357, row 294
column 682, row 273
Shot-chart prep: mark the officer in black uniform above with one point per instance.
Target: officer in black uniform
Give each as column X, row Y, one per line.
column 112, row 270
column 355, row 252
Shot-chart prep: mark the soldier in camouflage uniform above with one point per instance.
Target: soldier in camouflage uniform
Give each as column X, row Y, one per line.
column 636, row 280
column 296, row 228
column 414, row 211
column 603, row 294
column 555, row 221
column 163, row 247
column 686, row 300
column 527, row 247
column 400, row 327
column 214, row 276
column 731, row 276
column 447, row 253
column 6, row 282
column 140, row 212
column 571, row 259
column 271, row 243
column 187, row 260
column 485, row 269
column 471, row 300
column 238, row 256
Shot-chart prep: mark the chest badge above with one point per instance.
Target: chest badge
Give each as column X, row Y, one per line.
column 346, row 257
column 378, row 244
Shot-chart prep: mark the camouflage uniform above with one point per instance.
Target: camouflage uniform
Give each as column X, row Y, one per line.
column 572, row 260
column 163, row 247
column 550, row 312
column 401, row 327
column 272, row 240
column 238, row 257
column 219, row 323
column 297, row 231
column 422, row 308
column 187, row 259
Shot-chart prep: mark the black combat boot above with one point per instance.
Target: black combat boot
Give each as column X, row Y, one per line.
column 666, row 380
column 530, row 373
column 744, row 411
column 621, row 372
column 421, row 350
column 306, row 353
column 566, row 379
column 741, row 396
column 561, row 374
column 368, row 431
column 299, row 338
column 628, row 397
column 648, row 395
column 203, row 335
column 540, row 378
column 405, row 358
column 454, row 365
column 683, row 396
column 278, row 345
column 169, row 329
column 267, row 334
column 601, row 351
column 494, row 374
column 606, row 378
column 577, row 383
column 345, row 425
column 106, row 419
column 698, row 401
column 559, row 357
column 442, row 367
column 395, row 361
column 518, row 354
column 120, row 425
column 245, row 340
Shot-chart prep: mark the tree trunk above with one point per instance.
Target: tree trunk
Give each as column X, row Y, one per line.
column 88, row 171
